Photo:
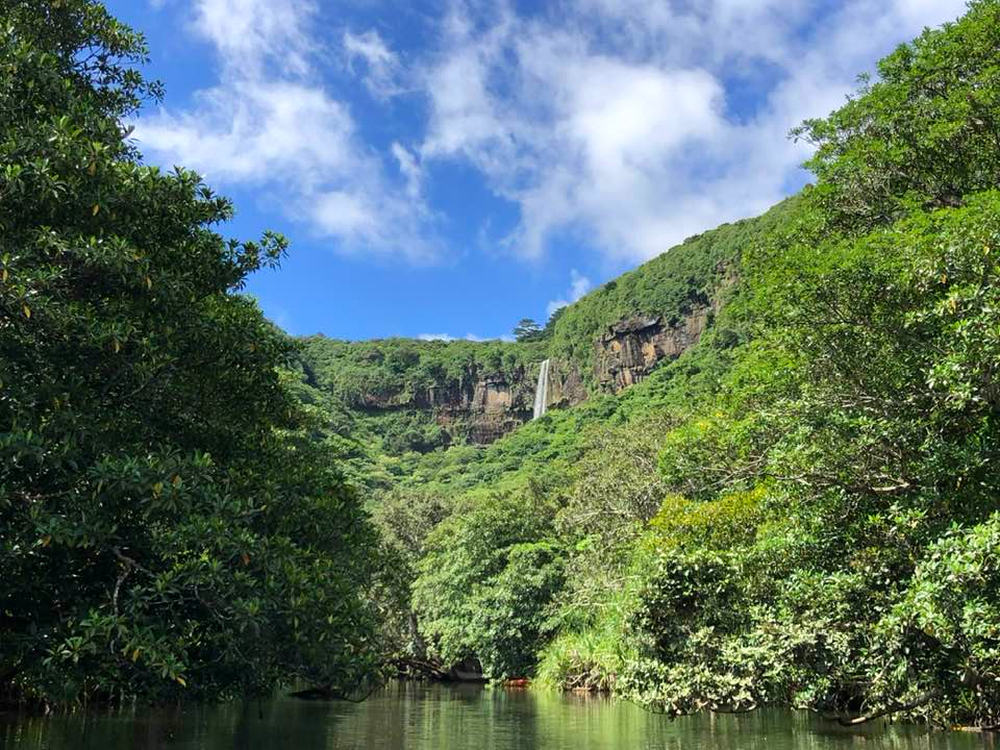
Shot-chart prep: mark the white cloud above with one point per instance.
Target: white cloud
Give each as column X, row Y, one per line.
column 410, row 169
column 622, row 124
column 381, row 72
column 466, row 337
column 251, row 36
column 579, row 286
column 271, row 123
column 258, row 131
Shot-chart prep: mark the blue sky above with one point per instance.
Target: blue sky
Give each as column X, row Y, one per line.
column 447, row 168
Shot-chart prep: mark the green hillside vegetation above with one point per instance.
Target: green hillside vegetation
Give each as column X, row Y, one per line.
column 372, row 395
column 402, row 370
column 381, row 393
column 697, row 272
column 378, row 392
column 801, row 510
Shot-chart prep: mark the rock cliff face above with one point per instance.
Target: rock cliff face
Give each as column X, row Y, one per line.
column 482, row 408
column 566, row 386
column 629, row 350
column 479, row 407
column 487, row 408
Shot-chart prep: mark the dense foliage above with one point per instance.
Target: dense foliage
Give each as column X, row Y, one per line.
column 486, row 577
column 407, row 371
column 697, row 273
column 167, row 529
column 858, row 426
column 802, row 509
column 924, row 134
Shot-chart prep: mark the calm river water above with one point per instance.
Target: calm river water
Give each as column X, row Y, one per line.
column 419, row 717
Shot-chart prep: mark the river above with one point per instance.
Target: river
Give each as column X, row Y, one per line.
column 425, row 717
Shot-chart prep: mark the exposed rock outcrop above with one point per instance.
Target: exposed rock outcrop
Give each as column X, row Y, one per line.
column 566, row 386
column 481, row 408
column 489, row 407
column 629, row 350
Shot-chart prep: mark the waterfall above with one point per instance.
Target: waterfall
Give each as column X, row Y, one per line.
column 542, row 390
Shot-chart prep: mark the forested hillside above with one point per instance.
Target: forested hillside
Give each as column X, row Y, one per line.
column 391, row 405
column 789, row 495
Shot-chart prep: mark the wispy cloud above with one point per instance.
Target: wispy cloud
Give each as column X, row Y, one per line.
column 466, row 337
column 579, row 285
column 271, row 123
column 621, row 125
column 436, row 337
column 379, row 66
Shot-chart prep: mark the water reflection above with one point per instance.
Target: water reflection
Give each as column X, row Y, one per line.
column 422, row 717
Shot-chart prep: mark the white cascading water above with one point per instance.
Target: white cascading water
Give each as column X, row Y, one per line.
column 542, row 390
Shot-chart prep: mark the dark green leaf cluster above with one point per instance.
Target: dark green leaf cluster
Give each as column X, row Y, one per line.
column 926, row 133
column 166, row 527
column 863, row 412
column 487, row 577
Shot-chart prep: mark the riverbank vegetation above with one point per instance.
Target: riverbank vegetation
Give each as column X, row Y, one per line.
column 167, row 529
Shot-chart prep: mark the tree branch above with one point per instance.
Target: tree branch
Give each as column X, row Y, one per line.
column 915, row 703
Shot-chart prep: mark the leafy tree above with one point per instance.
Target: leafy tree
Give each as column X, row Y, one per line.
column 617, row 490
column 876, row 435
column 925, row 133
column 405, row 519
column 166, row 527
column 828, row 538
column 485, row 583
column 937, row 649
column 550, row 325
column 527, row 330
